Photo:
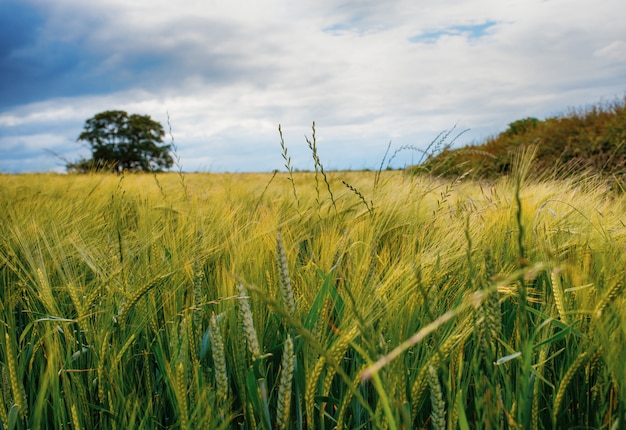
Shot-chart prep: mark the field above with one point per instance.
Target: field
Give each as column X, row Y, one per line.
column 312, row 300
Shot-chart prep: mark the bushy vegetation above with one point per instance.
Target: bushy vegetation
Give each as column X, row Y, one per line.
column 592, row 139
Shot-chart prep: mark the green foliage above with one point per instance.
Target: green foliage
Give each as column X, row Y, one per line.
column 582, row 140
column 121, row 142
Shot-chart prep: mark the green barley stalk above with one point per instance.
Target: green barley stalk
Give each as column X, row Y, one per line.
column 319, row 168
column 219, row 359
column 100, row 371
column 369, row 206
column 5, row 396
column 438, row 412
column 148, row 378
column 181, row 393
column 334, row 356
column 288, row 165
column 198, row 279
column 543, row 355
column 287, row 365
column 183, row 354
column 245, row 313
column 19, row 394
column 347, row 400
column 286, row 289
column 112, row 409
column 419, row 386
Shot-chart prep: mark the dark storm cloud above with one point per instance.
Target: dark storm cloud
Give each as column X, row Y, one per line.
column 86, row 54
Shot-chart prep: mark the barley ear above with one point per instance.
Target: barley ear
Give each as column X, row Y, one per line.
column 219, row 359
column 245, row 313
column 286, row 289
column 75, row 420
column 5, row 396
column 287, row 365
column 181, row 390
column 19, row 394
column 557, row 290
column 126, row 307
column 606, row 300
column 438, row 413
column 567, row 378
column 103, row 349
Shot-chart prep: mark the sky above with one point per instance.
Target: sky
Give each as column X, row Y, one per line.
column 226, row 74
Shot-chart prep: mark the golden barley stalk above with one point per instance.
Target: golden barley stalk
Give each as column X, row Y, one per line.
column 606, row 300
column 557, row 290
column 45, row 293
column 337, row 351
column 75, row 420
column 287, row 365
column 311, row 388
column 19, row 394
column 125, row 308
column 567, row 378
column 72, row 290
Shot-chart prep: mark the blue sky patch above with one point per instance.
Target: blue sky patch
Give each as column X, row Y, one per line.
column 469, row 31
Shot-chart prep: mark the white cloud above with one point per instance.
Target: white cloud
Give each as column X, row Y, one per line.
column 229, row 73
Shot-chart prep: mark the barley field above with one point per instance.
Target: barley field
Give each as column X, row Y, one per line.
column 319, row 300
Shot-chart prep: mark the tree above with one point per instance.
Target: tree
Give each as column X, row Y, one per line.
column 121, row 142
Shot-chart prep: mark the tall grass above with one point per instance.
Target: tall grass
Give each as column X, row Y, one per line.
column 242, row 301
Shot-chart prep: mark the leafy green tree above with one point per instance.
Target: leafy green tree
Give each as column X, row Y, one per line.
column 119, row 142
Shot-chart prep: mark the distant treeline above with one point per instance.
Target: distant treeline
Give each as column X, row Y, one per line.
column 591, row 139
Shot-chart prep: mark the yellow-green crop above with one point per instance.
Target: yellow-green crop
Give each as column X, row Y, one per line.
column 302, row 300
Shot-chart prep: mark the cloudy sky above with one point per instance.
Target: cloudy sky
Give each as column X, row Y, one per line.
column 229, row 72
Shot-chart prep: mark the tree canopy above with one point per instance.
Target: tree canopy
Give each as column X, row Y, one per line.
column 119, row 142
